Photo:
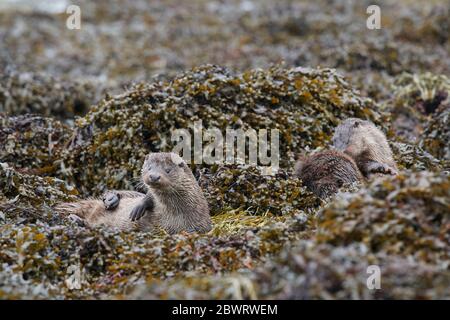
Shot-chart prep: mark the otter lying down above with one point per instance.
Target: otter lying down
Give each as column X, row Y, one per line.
column 174, row 201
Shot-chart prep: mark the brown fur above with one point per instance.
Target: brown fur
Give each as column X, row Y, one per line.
column 325, row 172
column 367, row 145
column 92, row 212
column 179, row 203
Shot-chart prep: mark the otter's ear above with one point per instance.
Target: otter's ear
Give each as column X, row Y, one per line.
column 356, row 124
column 298, row 167
column 177, row 160
column 300, row 156
column 300, row 161
column 147, row 156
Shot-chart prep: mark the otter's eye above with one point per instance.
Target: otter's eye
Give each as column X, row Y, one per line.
column 149, row 168
column 168, row 170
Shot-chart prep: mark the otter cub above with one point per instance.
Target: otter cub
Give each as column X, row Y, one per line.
column 367, row 145
column 174, row 195
column 325, row 172
column 174, row 200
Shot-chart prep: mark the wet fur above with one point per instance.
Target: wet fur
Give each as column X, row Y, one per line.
column 367, row 145
column 325, row 172
column 179, row 207
column 93, row 212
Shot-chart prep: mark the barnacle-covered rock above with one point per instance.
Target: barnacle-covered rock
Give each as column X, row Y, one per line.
column 304, row 104
column 404, row 215
column 244, row 187
column 31, row 143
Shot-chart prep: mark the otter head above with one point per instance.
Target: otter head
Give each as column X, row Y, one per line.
column 163, row 170
column 327, row 186
column 344, row 132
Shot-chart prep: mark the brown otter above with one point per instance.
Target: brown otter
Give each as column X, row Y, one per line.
column 367, row 145
column 107, row 212
column 325, row 172
column 174, row 200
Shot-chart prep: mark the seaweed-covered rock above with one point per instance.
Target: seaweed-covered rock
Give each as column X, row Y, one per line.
column 424, row 92
column 74, row 261
column 413, row 157
column 436, row 136
column 33, row 190
column 305, row 270
column 22, row 93
column 244, row 187
column 265, row 242
column 31, row 143
column 415, row 98
column 304, row 104
column 27, row 198
column 404, row 215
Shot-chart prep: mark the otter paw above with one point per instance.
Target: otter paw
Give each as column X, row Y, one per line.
column 76, row 219
column 111, row 200
column 384, row 169
column 138, row 212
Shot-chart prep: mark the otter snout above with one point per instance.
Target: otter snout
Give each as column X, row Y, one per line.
column 154, row 177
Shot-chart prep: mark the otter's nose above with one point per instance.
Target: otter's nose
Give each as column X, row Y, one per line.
column 155, row 177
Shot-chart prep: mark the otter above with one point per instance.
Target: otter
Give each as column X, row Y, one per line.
column 107, row 212
column 174, row 200
column 367, row 145
column 325, row 172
